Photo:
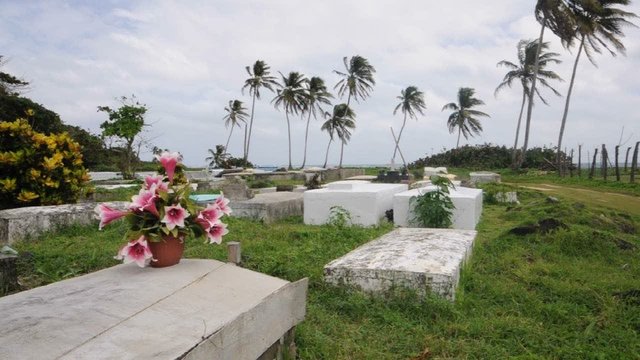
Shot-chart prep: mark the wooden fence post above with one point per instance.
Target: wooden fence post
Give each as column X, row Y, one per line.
column 626, row 159
column 233, row 255
column 634, row 164
column 593, row 164
column 617, row 167
column 579, row 160
column 571, row 164
column 603, row 165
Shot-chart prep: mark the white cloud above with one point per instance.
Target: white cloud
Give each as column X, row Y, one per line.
column 186, row 60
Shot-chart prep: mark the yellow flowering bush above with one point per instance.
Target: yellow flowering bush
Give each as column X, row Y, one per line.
column 38, row 169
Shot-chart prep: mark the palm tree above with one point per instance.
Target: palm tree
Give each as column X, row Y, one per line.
column 217, row 158
column 316, row 94
column 411, row 100
column 463, row 117
column 328, row 127
column 259, row 78
column 598, row 25
column 341, row 122
column 555, row 15
column 236, row 113
column 291, row 94
column 523, row 72
column 357, row 81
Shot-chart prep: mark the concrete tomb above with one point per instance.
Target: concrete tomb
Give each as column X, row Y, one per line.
column 483, row 177
column 198, row 309
column 20, row 223
column 269, row 207
column 365, row 202
column 466, row 215
column 426, row 260
column 430, row 171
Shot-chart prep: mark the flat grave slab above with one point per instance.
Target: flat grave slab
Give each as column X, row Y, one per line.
column 198, row 309
column 269, row 207
column 426, row 260
column 365, row 202
column 466, row 215
column 430, row 171
column 20, row 223
column 483, row 177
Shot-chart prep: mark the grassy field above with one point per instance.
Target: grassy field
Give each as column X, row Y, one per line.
column 573, row 293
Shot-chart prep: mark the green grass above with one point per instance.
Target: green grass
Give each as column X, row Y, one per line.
column 611, row 185
column 563, row 295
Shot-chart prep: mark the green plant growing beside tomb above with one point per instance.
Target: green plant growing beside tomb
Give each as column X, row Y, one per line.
column 339, row 217
column 433, row 209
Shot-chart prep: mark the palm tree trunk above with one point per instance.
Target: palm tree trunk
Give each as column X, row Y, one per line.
column 247, row 140
column 395, row 149
column 289, row 133
column 341, row 152
column 532, row 91
column 515, row 144
column 458, row 143
column 343, row 115
column 306, row 136
column 226, row 146
column 566, row 108
column 326, row 157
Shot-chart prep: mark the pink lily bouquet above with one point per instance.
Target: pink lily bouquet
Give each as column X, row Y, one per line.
column 163, row 209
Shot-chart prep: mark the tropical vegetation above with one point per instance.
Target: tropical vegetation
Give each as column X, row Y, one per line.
column 236, row 116
column 292, row 96
column 125, row 124
column 38, row 169
column 523, row 72
column 464, row 117
column 259, row 77
column 411, row 101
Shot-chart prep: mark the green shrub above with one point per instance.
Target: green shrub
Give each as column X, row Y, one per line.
column 254, row 183
column 486, row 156
column 433, row 209
column 38, row 169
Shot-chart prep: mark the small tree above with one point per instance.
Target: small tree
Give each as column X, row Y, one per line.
column 433, row 209
column 125, row 123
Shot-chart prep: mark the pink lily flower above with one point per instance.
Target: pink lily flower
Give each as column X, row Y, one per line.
column 137, row 251
column 145, row 200
column 216, row 232
column 107, row 214
column 150, row 181
column 223, row 204
column 174, row 216
column 211, row 213
column 169, row 161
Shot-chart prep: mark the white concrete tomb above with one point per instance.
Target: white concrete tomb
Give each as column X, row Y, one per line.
column 430, row 171
column 365, row 202
column 198, row 309
column 426, row 260
column 466, row 215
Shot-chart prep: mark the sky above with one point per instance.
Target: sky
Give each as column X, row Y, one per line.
column 186, row 59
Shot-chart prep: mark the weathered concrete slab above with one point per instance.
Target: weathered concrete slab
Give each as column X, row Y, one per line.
column 430, row 171
column 365, row 202
column 483, row 177
column 363, row 177
column 426, row 260
column 20, row 223
column 236, row 189
column 466, row 215
column 198, row 309
column 269, row 207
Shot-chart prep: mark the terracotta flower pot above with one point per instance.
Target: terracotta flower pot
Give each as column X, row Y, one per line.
column 167, row 252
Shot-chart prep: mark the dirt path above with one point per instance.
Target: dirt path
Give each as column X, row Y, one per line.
column 627, row 203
